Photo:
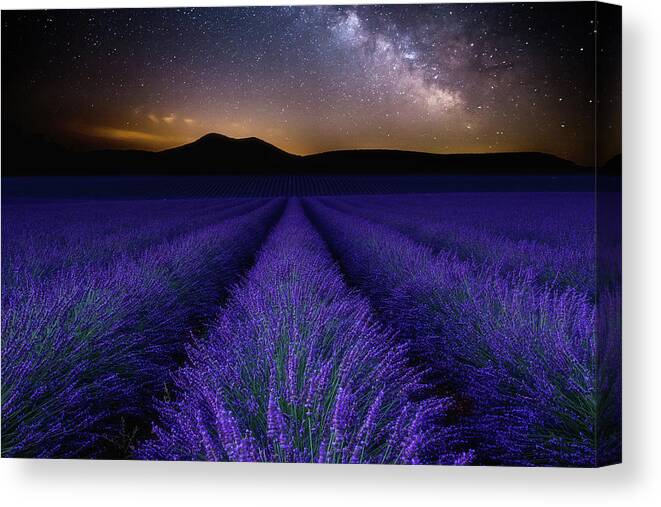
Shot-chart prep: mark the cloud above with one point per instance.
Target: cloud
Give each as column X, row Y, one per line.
column 189, row 121
column 168, row 119
column 123, row 134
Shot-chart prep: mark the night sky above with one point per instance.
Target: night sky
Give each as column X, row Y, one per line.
column 446, row 78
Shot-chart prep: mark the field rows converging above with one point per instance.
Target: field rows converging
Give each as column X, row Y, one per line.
column 83, row 358
column 46, row 240
column 559, row 267
column 330, row 234
column 520, row 357
column 554, row 218
column 296, row 368
column 320, row 329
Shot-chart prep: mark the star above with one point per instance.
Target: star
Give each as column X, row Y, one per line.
column 390, row 76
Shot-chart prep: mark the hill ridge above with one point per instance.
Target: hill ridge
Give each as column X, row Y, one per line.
column 218, row 154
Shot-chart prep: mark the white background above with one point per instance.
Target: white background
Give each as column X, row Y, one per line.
column 636, row 482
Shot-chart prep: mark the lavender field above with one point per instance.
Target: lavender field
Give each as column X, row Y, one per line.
column 441, row 328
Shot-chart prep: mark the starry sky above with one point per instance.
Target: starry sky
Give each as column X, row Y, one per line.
column 439, row 78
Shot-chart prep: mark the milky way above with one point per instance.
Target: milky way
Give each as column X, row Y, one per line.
column 443, row 78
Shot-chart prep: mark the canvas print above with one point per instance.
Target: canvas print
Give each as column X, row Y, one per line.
column 357, row 234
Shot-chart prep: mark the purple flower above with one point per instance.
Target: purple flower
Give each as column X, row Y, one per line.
column 328, row 381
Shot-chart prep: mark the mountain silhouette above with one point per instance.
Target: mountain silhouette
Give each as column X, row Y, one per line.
column 217, row 154
column 396, row 161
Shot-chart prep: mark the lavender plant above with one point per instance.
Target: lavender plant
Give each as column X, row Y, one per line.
column 495, row 300
column 89, row 348
column 523, row 357
column 296, row 369
column 40, row 240
column 563, row 219
column 556, row 266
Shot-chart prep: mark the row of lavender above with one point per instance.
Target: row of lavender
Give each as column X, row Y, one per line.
column 297, row 369
column 296, row 366
column 86, row 347
column 45, row 238
column 520, row 356
column 555, row 218
column 552, row 240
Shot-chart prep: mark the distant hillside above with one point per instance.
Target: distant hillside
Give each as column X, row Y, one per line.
column 394, row 161
column 216, row 154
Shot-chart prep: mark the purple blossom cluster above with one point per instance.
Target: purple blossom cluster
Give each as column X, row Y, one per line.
column 521, row 357
column 85, row 350
column 433, row 329
column 553, row 218
column 41, row 240
column 512, row 247
column 296, row 369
